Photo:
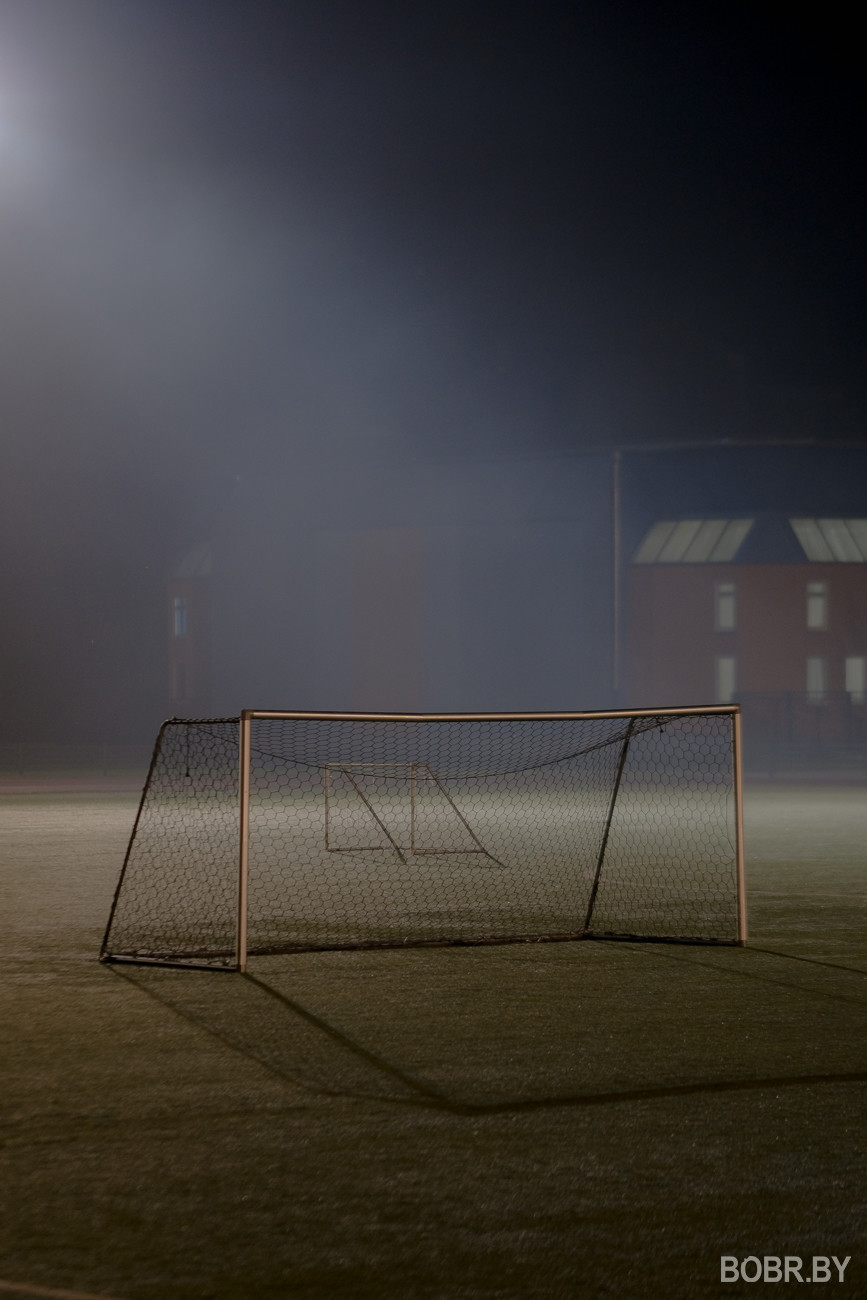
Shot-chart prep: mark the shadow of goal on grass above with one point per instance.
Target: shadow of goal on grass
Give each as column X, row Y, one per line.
column 262, row 1025
column 295, row 1044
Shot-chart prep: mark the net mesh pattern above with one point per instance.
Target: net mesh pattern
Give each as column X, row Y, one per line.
column 384, row 832
column 177, row 899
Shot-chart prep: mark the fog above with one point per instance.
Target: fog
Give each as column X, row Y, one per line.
column 274, row 277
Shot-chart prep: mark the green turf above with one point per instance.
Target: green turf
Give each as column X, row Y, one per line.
column 589, row 1119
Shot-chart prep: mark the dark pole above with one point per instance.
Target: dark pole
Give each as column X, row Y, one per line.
column 616, row 668
column 607, row 828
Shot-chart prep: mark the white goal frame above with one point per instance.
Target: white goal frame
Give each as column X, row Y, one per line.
column 248, row 716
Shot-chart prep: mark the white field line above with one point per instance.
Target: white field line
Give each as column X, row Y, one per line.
column 25, row 1288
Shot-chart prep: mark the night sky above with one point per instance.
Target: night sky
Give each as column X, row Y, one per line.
column 238, row 238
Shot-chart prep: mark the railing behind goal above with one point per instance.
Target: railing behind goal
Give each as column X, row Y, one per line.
column 290, row 832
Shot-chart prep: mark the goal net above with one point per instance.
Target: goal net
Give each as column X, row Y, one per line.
column 286, row 832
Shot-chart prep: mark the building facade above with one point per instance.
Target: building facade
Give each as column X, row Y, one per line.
column 188, row 619
column 770, row 611
column 551, row 582
column 471, row 586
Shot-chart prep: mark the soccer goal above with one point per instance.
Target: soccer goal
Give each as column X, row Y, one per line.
column 291, row 832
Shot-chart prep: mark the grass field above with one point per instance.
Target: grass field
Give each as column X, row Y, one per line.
column 561, row 1120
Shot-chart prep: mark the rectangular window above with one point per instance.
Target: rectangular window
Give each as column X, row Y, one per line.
column 180, row 615
column 817, row 682
column 726, row 607
column 856, row 678
column 726, row 678
column 817, row 605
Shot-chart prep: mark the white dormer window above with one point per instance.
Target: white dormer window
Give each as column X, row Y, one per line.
column 829, row 541
column 693, row 541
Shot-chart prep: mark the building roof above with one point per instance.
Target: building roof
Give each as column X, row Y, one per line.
column 827, row 540
column 767, row 539
column 693, row 541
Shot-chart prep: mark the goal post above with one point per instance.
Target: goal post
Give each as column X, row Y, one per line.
column 282, row 832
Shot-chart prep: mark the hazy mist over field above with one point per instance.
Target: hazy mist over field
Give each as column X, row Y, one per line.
column 369, row 246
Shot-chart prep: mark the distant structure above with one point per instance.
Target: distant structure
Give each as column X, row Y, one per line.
column 189, row 634
column 771, row 611
column 748, row 583
column 653, row 576
column 466, row 586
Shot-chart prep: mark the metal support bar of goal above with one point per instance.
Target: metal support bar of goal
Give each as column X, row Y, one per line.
column 737, row 765
column 604, row 842
column 244, row 845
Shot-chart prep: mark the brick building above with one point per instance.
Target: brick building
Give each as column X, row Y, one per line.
column 770, row 610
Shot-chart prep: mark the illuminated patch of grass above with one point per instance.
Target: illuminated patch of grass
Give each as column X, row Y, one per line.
column 545, row 1120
